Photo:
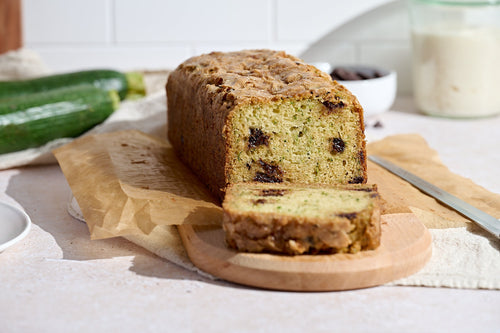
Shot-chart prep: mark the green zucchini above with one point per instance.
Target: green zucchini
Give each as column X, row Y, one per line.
column 22, row 102
column 70, row 112
column 126, row 84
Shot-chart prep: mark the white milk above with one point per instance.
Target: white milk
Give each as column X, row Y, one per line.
column 456, row 73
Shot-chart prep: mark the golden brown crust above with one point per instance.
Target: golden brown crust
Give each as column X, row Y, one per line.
column 204, row 90
column 258, row 76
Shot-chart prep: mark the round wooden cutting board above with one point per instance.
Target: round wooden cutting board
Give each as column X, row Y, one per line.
column 405, row 248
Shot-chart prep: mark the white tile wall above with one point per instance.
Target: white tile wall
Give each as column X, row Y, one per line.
column 156, row 34
column 66, row 22
column 191, row 21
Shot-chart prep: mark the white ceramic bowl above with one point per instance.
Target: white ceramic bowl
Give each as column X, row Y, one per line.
column 375, row 95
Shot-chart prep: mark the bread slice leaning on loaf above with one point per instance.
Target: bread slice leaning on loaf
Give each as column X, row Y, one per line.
column 301, row 219
column 264, row 116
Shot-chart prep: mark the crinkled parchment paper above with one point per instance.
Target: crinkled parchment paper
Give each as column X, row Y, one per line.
column 411, row 152
column 128, row 182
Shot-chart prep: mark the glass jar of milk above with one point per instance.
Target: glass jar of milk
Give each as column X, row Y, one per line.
column 456, row 57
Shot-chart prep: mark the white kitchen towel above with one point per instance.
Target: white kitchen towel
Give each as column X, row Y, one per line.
column 460, row 259
column 21, row 64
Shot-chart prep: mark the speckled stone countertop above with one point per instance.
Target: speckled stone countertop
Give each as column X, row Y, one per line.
column 58, row 280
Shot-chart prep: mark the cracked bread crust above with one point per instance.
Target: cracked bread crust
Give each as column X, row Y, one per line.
column 205, row 92
column 255, row 76
column 250, row 226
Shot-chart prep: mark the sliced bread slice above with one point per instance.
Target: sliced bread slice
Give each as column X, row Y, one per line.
column 301, row 219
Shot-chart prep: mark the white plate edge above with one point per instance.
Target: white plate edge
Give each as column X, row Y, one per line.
column 26, row 230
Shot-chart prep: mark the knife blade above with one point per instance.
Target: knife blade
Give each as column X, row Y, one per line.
column 484, row 220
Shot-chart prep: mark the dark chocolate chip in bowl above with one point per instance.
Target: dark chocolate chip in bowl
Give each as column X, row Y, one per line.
column 364, row 75
column 355, row 73
column 344, row 74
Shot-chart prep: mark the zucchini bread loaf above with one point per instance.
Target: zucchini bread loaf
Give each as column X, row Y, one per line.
column 301, row 219
column 265, row 116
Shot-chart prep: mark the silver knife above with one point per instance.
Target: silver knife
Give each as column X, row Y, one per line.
column 484, row 220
